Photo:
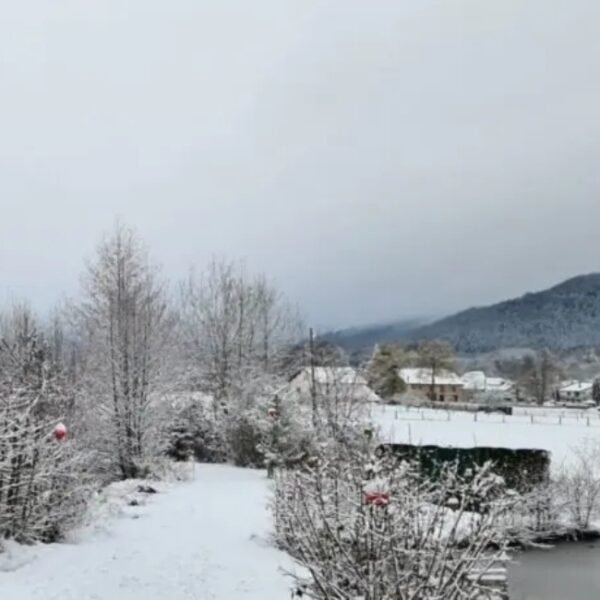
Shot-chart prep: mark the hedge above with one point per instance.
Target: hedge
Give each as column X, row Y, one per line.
column 522, row 470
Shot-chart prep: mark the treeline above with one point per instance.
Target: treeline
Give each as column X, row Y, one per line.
column 122, row 366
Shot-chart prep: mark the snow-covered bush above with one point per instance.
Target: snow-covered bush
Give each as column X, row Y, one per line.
column 265, row 432
column 45, row 477
column 567, row 502
column 327, row 421
column 289, row 439
column 578, row 485
column 244, row 434
column 537, row 514
column 250, row 429
column 372, row 529
column 44, row 483
column 196, row 433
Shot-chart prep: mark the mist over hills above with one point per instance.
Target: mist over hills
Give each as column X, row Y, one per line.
column 562, row 317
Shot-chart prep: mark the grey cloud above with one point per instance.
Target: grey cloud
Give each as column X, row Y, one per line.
column 379, row 160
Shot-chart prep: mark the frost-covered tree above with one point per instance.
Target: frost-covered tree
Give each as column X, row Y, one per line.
column 233, row 327
column 126, row 332
column 43, row 480
column 578, row 485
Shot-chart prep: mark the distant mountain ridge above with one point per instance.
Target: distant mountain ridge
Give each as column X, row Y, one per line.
column 563, row 317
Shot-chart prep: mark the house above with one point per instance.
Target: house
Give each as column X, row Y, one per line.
column 575, row 391
column 344, row 383
column 488, row 389
column 447, row 386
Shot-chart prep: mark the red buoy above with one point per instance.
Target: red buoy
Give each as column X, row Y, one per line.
column 60, row 432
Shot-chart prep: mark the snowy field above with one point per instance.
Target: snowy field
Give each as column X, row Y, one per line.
column 555, row 430
column 202, row 540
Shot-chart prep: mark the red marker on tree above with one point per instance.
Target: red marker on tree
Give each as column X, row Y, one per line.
column 60, row 432
column 377, row 498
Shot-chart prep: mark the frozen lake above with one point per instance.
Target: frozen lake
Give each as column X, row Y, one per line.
column 571, row 571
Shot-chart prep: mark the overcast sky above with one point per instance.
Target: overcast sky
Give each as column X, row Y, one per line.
column 377, row 159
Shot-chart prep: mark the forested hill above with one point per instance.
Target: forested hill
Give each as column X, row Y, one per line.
column 563, row 317
column 364, row 338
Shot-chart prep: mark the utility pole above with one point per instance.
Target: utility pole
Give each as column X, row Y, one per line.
column 313, row 382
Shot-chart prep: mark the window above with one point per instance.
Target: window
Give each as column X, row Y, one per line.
column 441, row 397
column 454, row 388
column 455, row 398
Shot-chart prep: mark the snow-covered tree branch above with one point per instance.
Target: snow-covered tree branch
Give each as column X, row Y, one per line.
column 126, row 334
column 372, row 529
column 43, row 477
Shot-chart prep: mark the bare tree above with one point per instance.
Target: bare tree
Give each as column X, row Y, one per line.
column 579, row 484
column 233, row 326
column 538, row 375
column 436, row 356
column 126, row 332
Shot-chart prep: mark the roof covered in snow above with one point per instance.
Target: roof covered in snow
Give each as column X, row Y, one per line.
column 577, row 386
column 474, row 380
column 498, row 384
column 330, row 380
column 423, row 377
column 478, row 381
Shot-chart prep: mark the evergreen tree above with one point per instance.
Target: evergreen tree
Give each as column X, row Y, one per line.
column 383, row 371
column 596, row 391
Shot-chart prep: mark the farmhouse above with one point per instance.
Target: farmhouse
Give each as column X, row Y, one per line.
column 441, row 386
column 488, row 389
column 344, row 383
column 576, row 391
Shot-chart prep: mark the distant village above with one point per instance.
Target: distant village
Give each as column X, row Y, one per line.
column 443, row 387
column 475, row 386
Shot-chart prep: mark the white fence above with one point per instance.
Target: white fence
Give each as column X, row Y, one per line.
column 532, row 416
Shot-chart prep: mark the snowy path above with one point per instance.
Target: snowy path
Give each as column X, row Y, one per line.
column 201, row 540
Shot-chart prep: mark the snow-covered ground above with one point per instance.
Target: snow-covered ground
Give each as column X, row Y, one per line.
column 202, row 540
column 557, row 431
column 208, row 539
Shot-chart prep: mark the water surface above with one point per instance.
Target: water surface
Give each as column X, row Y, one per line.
column 569, row 571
